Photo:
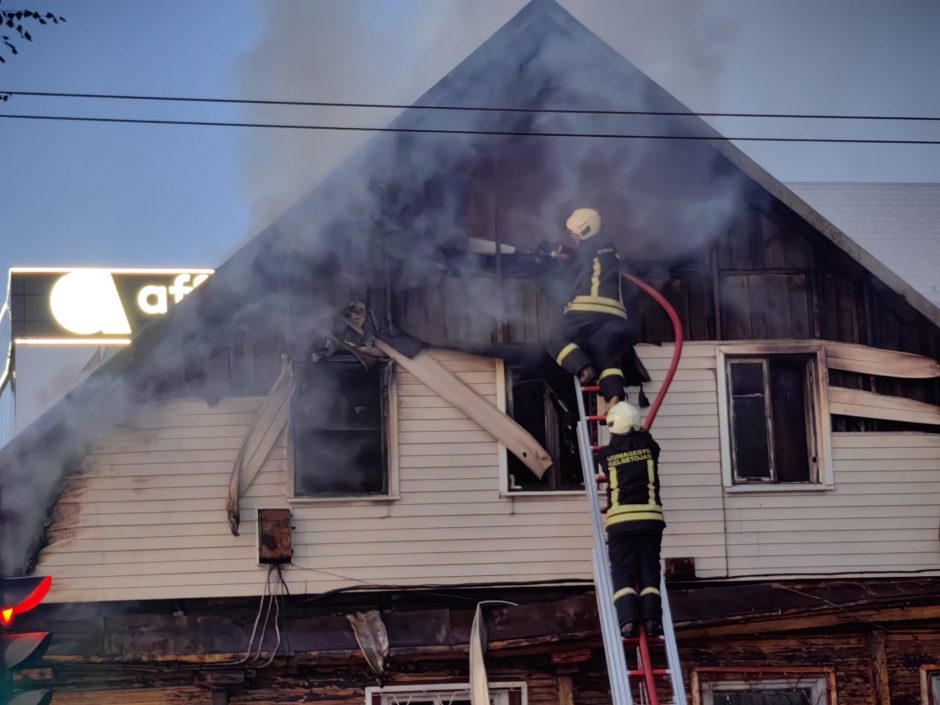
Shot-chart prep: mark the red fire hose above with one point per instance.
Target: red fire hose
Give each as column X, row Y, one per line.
column 676, row 353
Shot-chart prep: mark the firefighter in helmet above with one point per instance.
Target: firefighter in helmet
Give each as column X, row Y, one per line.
column 634, row 520
column 594, row 333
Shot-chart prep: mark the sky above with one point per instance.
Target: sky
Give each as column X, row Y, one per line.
column 138, row 195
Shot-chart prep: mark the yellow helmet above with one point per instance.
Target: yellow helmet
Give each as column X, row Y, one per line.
column 623, row 417
column 584, row 222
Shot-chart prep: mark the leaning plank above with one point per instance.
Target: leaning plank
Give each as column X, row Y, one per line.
column 883, row 363
column 444, row 383
column 269, row 423
column 852, row 402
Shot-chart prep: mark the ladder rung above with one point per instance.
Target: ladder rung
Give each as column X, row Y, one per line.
column 633, row 640
column 601, row 479
column 592, row 388
column 597, row 447
column 599, row 418
column 657, row 672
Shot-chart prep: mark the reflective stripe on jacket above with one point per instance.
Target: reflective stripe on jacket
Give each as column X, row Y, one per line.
column 596, row 287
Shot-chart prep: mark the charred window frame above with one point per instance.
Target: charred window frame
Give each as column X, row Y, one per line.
column 341, row 430
column 773, row 410
column 547, row 409
column 511, row 693
column 764, row 686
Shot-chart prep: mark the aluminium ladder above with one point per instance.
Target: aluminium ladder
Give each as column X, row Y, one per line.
column 614, row 642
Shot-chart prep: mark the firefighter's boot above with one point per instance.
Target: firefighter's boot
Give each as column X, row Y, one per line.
column 652, row 608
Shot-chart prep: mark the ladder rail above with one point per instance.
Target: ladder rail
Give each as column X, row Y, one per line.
column 672, row 648
column 615, row 656
column 603, row 590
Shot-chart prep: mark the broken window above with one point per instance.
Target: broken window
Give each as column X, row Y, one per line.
column 337, row 430
column 450, row 694
column 764, row 688
column 772, row 418
column 549, row 412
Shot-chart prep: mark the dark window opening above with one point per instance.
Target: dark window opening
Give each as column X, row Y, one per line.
column 337, row 428
column 548, row 410
column 772, row 414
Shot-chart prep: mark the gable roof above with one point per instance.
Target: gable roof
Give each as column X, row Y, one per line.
column 498, row 73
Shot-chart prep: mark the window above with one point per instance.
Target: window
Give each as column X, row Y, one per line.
column 930, row 685
column 454, row 694
column 764, row 687
column 547, row 409
column 339, row 444
column 774, row 430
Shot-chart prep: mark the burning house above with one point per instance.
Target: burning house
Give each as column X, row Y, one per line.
column 262, row 500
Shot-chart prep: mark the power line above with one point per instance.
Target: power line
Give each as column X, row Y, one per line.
column 491, row 133
column 469, row 108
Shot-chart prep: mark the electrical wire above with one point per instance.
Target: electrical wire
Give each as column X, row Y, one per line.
column 277, row 630
column 468, row 108
column 267, row 615
column 465, row 132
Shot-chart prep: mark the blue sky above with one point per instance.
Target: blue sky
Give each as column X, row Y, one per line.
column 159, row 196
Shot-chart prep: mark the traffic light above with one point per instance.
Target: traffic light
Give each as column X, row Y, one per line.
column 22, row 650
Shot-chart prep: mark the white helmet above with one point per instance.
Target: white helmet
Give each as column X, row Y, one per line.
column 584, row 222
column 622, row 417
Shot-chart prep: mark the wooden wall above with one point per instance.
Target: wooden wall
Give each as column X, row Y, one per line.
column 851, row 656
column 146, row 519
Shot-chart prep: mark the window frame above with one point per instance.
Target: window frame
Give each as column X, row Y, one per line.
column 502, row 396
column 390, row 440
column 819, row 403
column 928, row 672
column 373, row 692
column 824, row 677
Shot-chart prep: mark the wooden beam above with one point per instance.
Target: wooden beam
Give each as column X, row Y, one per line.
column 879, row 668
column 882, row 363
column 448, row 386
column 565, row 691
column 853, row 402
column 793, row 623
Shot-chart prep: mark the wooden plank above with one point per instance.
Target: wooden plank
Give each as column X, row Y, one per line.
column 794, row 623
column 823, row 512
column 884, row 442
column 879, row 667
column 853, row 402
column 847, row 532
column 863, row 526
column 882, row 363
column 437, row 437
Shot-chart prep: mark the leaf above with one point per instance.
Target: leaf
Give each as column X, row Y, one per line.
column 28, row 36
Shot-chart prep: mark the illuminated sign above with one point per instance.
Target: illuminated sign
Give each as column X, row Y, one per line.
column 93, row 306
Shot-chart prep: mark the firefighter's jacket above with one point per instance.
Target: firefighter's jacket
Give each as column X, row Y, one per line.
column 631, row 464
column 596, row 285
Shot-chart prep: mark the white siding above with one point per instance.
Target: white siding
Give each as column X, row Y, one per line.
column 147, row 517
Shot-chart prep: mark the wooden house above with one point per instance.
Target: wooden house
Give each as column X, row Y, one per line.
column 800, row 465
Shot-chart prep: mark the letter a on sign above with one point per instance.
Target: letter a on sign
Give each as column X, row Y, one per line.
column 86, row 302
column 152, row 299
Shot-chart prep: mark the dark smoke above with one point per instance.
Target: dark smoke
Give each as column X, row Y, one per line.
column 399, row 203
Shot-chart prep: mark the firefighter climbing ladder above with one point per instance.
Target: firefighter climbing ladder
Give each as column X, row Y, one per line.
column 614, row 643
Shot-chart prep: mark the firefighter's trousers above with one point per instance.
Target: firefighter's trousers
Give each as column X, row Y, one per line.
column 634, row 567
column 597, row 339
